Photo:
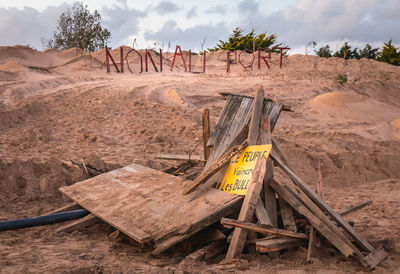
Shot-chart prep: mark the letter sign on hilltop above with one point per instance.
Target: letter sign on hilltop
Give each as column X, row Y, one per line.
column 238, row 175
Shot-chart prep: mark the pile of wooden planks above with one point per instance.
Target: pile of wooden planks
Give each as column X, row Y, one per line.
column 278, row 206
column 159, row 209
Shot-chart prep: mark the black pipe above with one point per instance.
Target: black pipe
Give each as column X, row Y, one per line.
column 43, row 220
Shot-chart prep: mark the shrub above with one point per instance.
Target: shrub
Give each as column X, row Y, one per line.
column 390, row 54
column 250, row 41
column 324, row 52
column 341, row 79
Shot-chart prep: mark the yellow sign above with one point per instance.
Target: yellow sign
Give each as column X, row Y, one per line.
column 238, row 175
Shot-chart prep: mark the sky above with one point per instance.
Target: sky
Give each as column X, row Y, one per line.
column 201, row 24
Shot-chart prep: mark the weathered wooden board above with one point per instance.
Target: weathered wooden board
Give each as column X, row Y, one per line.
column 236, row 114
column 149, row 206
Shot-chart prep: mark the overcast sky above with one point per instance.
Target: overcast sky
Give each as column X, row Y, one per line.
column 188, row 23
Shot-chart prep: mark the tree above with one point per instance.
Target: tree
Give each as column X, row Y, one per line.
column 369, row 52
column 79, row 28
column 347, row 53
column 390, row 54
column 324, row 52
column 250, row 41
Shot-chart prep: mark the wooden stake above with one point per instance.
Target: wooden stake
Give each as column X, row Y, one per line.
column 79, row 224
column 354, row 207
column 206, row 132
column 247, row 211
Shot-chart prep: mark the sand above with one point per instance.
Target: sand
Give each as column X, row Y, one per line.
column 57, row 106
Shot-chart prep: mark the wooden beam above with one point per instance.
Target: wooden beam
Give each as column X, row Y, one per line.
column 256, row 117
column 294, row 202
column 310, row 244
column 247, row 211
column 321, row 203
column 78, row 224
column 375, row 257
column 68, row 207
column 273, row 245
column 322, row 217
column 269, row 194
column 208, row 251
column 287, row 216
column 178, row 157
column 229, row 223
column 354, row 207
column 206, row 132
column 262, row 215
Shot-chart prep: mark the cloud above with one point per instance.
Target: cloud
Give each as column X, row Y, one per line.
column 191, row 13
column 28, row 25
column 122, row 21
column 165, row 7
column 248, row 7
column 325, row 20
column 189, row 38
column 218, row 9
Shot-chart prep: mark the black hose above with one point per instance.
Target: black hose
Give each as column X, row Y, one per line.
column 43, row 220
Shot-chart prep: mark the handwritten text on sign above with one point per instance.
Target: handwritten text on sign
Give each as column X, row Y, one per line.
column 238, row 175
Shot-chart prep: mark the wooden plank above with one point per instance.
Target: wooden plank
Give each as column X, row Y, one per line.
column 256, row 118
column 354, row 207
column 273, row 245
column 148, row 205
column 229, row 223
column 321, row 215
column 260, row 135
column 313, row 233
column 236, row 114
column 225, row 159
column 375, row 257
column 206, row 132
column 321, row 203
column 208, row 251
column 178, row 157
column 226, row 209
column 270, row 203
column 287, row 216
column 269, row 195
column 247, row 210
column 310, row 244
column 68, row 207
column 230, row 104
column 228, row 114
column 235, row 121
column 314, row 221
column 88, row 220
column 262, row 215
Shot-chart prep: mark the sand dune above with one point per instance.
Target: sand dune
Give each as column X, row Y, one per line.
column 57, row 106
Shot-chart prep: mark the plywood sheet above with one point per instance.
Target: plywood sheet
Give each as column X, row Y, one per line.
column 148, row 205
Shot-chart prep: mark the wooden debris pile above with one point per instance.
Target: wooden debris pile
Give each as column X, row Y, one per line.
column 159, row 209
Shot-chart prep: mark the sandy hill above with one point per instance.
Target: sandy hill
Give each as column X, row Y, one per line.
column 57, row 106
